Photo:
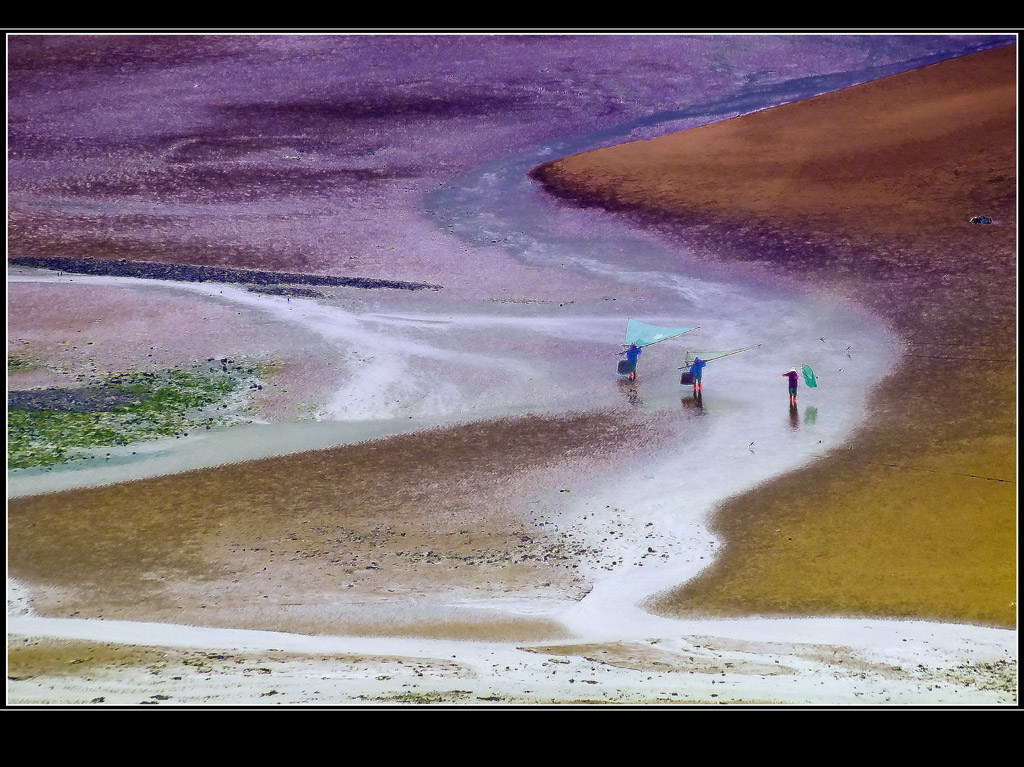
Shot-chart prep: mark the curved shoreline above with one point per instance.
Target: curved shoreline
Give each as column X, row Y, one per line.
column 529, row 642
column 724, row 660
column 940, row 561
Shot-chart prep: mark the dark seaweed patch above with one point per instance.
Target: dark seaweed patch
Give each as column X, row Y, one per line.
column 105, row 397
column 320, row 114
column 188, row 273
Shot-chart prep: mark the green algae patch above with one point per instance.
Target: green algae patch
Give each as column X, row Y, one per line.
column 16, row 363
column 46, row 427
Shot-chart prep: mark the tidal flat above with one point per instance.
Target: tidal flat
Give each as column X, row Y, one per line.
column 46, row 427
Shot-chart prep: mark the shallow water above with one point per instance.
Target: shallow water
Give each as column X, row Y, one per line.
column 429, row 360
column 434, row 361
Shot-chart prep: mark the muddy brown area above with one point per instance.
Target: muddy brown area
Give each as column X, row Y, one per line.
column 53, row 659
column 868, row 193
column 397, row 532
column 645, row 657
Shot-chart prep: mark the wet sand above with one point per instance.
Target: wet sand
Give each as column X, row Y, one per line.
column 401, row 535
column 365, row 539
column 191, row 549
column 866, row 193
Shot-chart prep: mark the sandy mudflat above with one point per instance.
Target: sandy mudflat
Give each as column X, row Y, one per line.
column 477, row 557
column 867, row 192
column 378, row 537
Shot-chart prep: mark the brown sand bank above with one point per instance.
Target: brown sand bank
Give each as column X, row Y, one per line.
column 866, row 193
column 392, row 535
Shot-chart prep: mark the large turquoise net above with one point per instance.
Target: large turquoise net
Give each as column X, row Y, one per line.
column 642, row 334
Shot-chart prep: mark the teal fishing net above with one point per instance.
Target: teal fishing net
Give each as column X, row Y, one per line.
column 642, row 334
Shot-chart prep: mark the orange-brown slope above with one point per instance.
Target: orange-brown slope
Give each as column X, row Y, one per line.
column 868, row 192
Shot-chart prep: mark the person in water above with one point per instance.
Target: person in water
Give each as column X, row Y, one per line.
column 632, row 354
column 793, row 377
column 697, row 368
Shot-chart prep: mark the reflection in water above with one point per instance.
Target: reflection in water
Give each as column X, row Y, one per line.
column 694, row 403
column 794, row 416
column 810, row 415
column 629, row 388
